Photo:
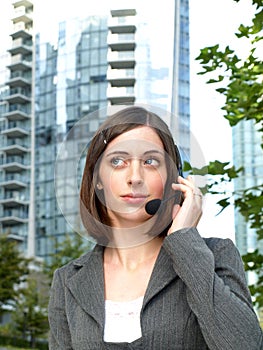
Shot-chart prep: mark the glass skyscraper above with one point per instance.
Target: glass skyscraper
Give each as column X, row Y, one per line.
column 89, row 64
column 247, row 153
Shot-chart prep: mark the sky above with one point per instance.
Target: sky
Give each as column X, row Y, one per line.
column 211, row 22
column 214, row 22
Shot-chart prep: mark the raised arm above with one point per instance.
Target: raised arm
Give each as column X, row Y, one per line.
column 217, row 291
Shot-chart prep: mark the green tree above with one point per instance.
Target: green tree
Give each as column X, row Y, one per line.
column 30, row 316
column 13, row 270
column 71, row 248
column 240, row 82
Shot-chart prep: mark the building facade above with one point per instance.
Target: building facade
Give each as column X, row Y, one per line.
column 16, row 118
column 247, row 153
column 89, row 65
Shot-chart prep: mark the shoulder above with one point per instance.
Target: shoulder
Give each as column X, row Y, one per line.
column 68, row 270
column 225, row 250
column 215, row 243
column 220, row 244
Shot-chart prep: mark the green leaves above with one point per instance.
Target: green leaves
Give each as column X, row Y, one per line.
column 13, row 270
column 240, row 81
column 71, row 248
column 250, row 205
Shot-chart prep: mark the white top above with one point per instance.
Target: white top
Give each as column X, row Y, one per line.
column 122, row 321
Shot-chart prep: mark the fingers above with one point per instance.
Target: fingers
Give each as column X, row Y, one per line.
column 187, row 187
column 189, row 214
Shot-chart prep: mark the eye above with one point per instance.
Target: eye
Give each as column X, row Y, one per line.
column 117, row 162
column 152, row 162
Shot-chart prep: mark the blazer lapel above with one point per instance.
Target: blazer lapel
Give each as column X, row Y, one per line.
column 163, row 273
column 87, row 284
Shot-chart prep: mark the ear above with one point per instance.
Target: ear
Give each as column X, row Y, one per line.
column 99, row 186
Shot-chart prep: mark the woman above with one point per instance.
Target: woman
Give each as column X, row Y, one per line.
column 152, row 282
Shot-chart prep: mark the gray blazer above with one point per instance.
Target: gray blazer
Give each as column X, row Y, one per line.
column 197, row 299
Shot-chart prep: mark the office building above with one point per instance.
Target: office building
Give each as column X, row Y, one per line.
column 247, row 153
column 16, row 119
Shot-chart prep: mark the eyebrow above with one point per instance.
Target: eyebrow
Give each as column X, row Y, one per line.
column 127, row 153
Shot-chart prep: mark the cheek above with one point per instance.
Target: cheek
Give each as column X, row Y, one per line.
column 157, row 182
column 111, row 184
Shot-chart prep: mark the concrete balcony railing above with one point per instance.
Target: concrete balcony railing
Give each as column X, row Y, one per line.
column 121, row 59
column 124, row 24
column 120, row 95
column 21, row 46
column 13, row 181
column 16, row 129
column 18, row 112
column 13, row 217
column 20, row 62
column 22, row 14
column 19, row 95
column 14, row 163
column 121, row 77
column 22, row 30
column 15, row 146
column 121, row 42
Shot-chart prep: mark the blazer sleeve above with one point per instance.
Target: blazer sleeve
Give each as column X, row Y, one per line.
column 59, row 335
column 217, row 290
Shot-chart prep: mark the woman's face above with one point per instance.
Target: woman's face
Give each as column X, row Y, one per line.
column 132, row 172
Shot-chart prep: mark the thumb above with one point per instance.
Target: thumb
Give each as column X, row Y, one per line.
column 176, row 209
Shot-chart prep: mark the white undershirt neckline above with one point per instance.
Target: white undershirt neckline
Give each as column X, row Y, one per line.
column 122, row 320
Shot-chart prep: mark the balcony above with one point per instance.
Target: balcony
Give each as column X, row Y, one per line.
column 15, row 146
column 16, row 129
column 13, row 181
column 13, row 199
column 121, row 77
column 14, row 163
column 122, row 59
column 121, row 42
column 25, row 3
column 120, row 95
column 22, row 14
column 17, row 112
column 21, row 30
column 21, row 46
column 123, row 12
column 123, row 24
column 19, row 95
column 19, row 62
column 14, row 217
column 18, row 81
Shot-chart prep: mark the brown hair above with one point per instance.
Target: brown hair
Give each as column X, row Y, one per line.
column 93, row 213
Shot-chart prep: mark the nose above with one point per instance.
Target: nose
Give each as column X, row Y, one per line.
column 135, row 173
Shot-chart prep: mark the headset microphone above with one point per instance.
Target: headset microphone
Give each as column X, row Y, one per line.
column 152, row 206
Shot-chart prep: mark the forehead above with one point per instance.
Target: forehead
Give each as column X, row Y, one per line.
column 140, row 138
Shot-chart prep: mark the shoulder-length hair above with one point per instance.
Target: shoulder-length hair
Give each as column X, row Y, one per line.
column 92, row 210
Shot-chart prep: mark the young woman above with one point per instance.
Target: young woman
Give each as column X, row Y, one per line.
column 152, row 282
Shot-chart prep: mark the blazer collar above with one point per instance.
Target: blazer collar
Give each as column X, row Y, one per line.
column 87, row 284
column 163, row 274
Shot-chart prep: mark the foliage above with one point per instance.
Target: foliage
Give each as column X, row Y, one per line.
column 14, row 343
column 71, row 248
column 25, row 284
column 13, row 270
column 240, row 83
column 30, row 314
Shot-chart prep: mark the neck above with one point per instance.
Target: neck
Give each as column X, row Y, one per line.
column 131, row 257
column 133, row 235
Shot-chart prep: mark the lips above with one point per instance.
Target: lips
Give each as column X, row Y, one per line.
column 134, row 198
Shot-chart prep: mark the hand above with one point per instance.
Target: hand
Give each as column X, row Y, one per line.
column 189, row 214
